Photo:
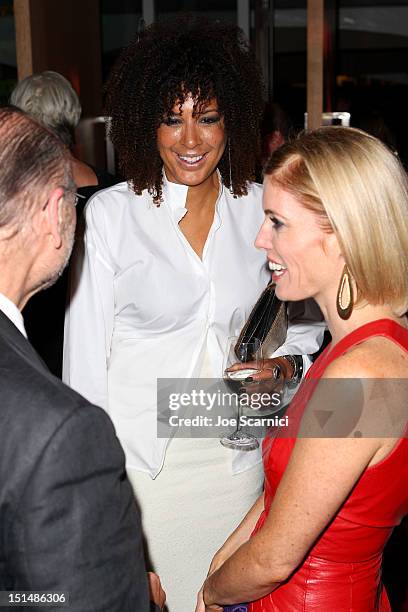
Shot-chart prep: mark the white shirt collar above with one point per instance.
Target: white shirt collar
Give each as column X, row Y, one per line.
column 175, row 194
column 12, row 312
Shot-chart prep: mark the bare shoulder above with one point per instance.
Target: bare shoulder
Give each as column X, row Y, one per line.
column 84, row 175
column 376, row 357
column 366, row 389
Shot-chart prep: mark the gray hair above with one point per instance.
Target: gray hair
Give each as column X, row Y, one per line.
column 32, row 160
column 50, row 99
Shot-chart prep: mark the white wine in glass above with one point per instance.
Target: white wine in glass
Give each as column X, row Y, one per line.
column 247, row 352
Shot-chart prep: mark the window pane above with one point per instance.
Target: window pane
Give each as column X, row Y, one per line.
column 372, row 68
column 120, row 21
column 225, row 10
column 8, row 60
column 289, row 58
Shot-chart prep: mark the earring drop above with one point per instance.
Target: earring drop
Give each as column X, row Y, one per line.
column 229, row 163
column 345, row 297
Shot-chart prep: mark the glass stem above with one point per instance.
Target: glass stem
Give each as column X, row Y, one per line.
column 239, row 412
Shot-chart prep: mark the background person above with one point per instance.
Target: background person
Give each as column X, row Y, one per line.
column 68, row 519
column 169, row 273
column 331, row 501
column 50, row 98
column 276, row 128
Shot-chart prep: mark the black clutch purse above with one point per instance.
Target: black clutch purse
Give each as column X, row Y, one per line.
column 268, row 322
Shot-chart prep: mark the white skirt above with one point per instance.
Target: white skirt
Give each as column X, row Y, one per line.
column 189, row 510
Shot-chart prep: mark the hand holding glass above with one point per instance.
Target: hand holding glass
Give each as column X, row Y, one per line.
column 247, row 352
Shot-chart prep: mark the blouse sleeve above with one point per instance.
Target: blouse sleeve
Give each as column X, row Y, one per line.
column 90, row 312
column 306, row 329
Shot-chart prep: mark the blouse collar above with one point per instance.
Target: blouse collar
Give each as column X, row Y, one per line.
column 175, row 196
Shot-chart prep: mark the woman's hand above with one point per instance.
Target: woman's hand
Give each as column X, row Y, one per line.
column 233, row 543
column 201, row 607
column 271, row 379
column 157, row 594
column 275, row 371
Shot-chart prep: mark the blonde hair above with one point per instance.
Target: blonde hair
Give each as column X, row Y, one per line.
column 359, row 190
column 50, row 99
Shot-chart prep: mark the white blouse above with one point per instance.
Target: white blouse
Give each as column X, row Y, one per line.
column 12, row 312
column 143, row 305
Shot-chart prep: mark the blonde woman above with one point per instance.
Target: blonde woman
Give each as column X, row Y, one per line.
column 336, row 230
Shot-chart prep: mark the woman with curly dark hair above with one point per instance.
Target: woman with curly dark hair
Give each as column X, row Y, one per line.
column 169, row 273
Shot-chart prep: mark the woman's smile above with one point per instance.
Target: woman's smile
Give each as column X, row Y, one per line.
column 191, row 161
column 191, row 142
column 277, row 270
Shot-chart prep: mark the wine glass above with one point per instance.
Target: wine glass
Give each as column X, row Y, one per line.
column 244, row 352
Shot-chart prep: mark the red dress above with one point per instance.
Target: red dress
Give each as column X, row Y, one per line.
column 342, row 573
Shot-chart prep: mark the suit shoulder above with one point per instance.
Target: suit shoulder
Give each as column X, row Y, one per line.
column 36, row 407
column 31, row 394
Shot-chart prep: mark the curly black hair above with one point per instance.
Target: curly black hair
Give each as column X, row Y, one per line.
column 162, row 67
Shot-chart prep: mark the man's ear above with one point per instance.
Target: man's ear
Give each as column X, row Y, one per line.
column 53, row 213
column 275, row 140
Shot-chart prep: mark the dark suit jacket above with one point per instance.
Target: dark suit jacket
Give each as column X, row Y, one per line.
column 68, row 520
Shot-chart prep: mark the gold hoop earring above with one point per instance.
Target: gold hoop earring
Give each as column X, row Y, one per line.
column 345, row 296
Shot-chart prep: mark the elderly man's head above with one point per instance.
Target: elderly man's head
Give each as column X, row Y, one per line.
column 37, row 197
